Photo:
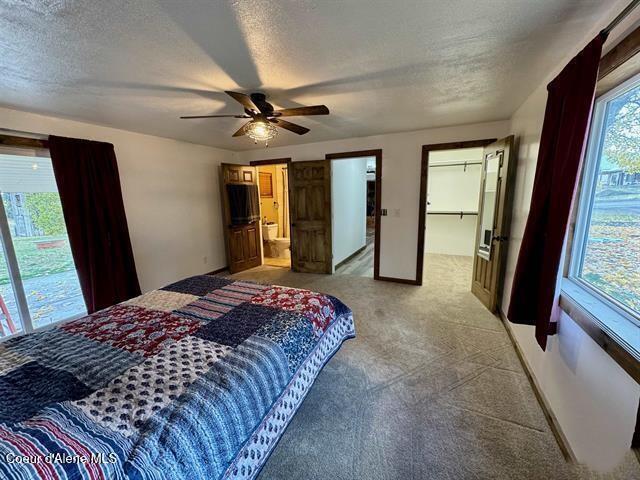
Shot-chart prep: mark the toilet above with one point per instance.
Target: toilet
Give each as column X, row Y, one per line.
column 274, row 246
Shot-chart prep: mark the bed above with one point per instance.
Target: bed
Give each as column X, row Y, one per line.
column 196, row 380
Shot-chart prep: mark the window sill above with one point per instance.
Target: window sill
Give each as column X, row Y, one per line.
column 615, row 333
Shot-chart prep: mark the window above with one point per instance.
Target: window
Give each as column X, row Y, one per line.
column 38, row 281
column 266, row 185
column 606, row 252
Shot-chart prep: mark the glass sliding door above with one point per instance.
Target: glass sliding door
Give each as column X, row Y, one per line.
column 38, row 280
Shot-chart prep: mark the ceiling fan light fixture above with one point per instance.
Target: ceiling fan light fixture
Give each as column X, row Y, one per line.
column 260, row 131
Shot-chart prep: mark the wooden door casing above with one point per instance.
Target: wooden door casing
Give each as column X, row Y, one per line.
column 310, row 213
column 488, row 275
column 243, row 242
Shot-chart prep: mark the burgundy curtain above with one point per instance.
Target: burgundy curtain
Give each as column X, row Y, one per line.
column 564, row 133
column 89, row 185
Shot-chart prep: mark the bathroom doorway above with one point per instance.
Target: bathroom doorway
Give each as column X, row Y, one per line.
column 273, row 188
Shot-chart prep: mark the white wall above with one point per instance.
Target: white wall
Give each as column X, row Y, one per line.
column 170, row 191
column 401, row 159
column 593, row 399
column 348, row 207
column 453, row 188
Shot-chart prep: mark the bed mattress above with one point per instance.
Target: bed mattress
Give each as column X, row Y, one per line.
column 196, row 380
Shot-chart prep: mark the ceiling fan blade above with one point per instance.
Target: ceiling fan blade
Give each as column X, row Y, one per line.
column 215, row 116
column 241, row 131
column 303, row 111
column 292, row 127
column 245, row 100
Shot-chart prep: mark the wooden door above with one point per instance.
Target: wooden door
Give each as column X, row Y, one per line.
column 494, row 219
column 310, row 213
column 243, row 242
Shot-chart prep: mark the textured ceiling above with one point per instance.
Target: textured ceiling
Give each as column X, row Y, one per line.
column 379, row 65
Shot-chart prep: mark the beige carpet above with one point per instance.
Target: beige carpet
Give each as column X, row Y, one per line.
column 431, row 388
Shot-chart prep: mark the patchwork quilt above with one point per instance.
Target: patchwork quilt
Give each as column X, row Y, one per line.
column 196, row 380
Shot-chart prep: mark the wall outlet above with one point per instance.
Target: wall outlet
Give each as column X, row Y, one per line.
column 205, row 260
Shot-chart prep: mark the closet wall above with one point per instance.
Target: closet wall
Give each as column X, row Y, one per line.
column 453, row 189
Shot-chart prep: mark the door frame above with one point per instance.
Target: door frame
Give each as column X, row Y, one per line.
column 424, row 177
column 376, row 235
column 277, row 161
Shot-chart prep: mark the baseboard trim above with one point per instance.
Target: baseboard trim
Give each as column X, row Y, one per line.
column 554, row 425
column 398, row 280
column 350, row 257
column 220, row 270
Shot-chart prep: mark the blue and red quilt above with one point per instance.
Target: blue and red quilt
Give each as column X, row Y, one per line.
column 196, row 380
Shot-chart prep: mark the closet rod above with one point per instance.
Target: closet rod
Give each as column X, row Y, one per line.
column 460, row 213
column 455, row 164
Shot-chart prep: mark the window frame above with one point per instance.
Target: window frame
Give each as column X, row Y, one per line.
column 584, row 208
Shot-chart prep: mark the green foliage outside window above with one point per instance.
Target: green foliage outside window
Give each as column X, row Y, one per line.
column 622, row 145
column 46, row 212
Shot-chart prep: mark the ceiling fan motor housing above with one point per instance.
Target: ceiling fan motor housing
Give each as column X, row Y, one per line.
column 260, row 100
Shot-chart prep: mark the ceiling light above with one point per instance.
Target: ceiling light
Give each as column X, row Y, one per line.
column 261, row 131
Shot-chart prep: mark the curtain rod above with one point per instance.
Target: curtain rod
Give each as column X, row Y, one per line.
column 623, row 14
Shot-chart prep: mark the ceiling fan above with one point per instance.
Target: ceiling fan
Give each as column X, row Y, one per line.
column 264, row 118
